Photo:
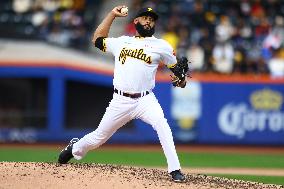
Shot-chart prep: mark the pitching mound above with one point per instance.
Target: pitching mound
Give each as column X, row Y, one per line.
column 78, row 176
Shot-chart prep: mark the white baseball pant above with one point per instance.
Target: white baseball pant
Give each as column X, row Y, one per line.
column 123, row 109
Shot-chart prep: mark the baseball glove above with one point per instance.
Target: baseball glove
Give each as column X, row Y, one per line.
column 180, row 71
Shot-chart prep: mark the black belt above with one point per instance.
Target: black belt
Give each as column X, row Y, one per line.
column 134, row 95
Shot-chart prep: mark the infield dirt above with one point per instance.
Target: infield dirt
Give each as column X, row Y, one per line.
column 29, row 175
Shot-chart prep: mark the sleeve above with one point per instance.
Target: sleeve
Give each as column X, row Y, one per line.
column 107, row 44
column 168, row 56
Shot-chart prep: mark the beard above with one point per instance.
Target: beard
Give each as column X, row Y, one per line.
column 144, row 32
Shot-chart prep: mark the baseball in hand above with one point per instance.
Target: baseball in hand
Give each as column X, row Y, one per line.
column 124, row 10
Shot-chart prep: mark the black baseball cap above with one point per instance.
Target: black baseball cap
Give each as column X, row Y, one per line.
column 148, row 11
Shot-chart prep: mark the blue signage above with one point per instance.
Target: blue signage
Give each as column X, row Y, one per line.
column 242, row 114
column 203, row 112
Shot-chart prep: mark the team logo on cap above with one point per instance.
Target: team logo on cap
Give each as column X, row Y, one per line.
column 150, row 9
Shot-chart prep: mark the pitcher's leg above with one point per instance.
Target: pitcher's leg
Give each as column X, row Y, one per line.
column 152, row 113
column 113, row 119
column 166, row 139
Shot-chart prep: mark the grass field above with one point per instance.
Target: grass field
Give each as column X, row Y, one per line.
column 157, row 159
column 263, row 179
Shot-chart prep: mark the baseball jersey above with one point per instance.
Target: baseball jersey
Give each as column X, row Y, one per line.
column 137, row 60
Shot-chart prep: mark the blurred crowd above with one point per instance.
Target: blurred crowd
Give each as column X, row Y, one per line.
column 67, row 23
column 223, row 36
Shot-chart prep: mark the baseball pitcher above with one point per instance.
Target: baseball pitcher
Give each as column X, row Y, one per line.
column 136, row 62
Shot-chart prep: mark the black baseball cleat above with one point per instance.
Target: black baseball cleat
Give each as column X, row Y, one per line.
column 177, row 176
column 66, row 154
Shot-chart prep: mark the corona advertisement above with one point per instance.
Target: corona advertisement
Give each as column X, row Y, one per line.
column 253, row 114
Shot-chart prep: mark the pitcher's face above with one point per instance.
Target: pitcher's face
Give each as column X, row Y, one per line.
column 145, row 25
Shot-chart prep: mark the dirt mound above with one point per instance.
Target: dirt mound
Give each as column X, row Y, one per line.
column 20, row 175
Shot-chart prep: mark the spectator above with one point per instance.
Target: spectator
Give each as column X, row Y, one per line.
column 183, row 41
column 262, row 29
column 49, row 5
column 224, row 30
column 223, row 58
column 245, row 8
column 275, row 38
column 276, row 63
column 171, row 36
column 206, row 42
column 22, row 6
column 196, row 56
column 39, row 18
column 239, row 59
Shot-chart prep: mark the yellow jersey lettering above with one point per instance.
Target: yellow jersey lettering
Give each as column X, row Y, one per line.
column 149, row 60
column 134, row 53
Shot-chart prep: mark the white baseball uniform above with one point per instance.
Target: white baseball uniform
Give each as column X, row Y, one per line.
column 136, row 63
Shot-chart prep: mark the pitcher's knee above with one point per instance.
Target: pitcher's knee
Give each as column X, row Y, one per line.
column 159, row 122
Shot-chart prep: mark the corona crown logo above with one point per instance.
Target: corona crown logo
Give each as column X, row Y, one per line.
column 266, row 99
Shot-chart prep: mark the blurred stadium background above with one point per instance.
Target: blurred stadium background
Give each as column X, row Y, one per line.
column 54, row 85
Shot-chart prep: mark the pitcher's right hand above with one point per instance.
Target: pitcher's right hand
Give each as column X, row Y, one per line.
column 116, row 11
